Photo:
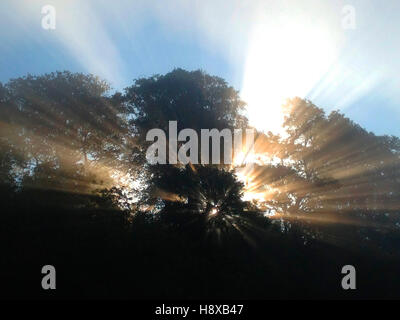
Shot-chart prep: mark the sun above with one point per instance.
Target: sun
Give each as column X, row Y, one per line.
column 213, row 211
column 285, row 58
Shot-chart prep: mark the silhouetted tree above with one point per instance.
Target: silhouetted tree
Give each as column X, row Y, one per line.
column 63, row 130
column 197, row 101
column 65, row 140
column 330, row 169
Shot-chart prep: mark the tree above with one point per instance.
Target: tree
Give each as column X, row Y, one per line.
column 196, row 101
column 330, row 169
column 66, row 131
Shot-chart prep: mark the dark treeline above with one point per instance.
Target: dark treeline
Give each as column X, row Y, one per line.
column 77, row 192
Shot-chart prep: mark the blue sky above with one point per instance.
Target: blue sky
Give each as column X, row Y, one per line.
column 269, row 50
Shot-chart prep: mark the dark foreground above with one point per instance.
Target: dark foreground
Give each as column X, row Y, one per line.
column 99, row 254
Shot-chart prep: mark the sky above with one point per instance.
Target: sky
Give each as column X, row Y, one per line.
column 342, row 55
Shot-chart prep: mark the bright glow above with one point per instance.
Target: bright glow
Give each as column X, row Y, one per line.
column 249, row 196
column 213, row 211
column 244, row 157
column 285, row 59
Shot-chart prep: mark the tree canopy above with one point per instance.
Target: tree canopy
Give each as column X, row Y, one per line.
column 73, row 168
column 66, row 132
